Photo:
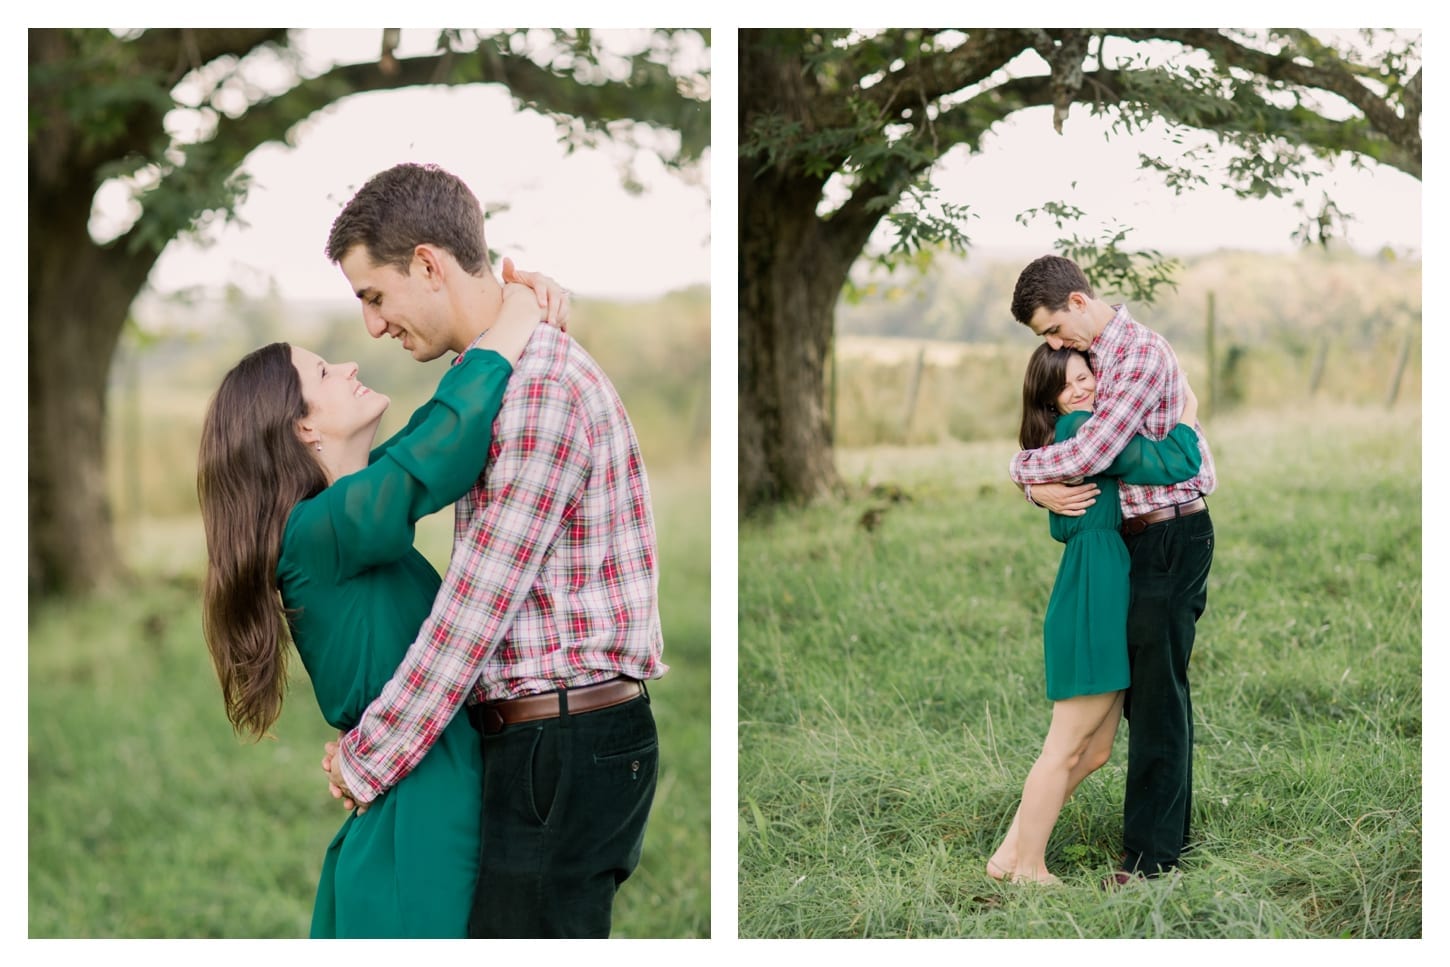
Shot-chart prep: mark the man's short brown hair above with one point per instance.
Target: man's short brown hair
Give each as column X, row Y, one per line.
column 1046, row 283
column 410, row 205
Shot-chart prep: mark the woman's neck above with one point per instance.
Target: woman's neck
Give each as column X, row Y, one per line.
column 340, row 459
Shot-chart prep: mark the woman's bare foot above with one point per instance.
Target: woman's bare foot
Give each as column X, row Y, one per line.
column 1003, row 875
column 1041, row 878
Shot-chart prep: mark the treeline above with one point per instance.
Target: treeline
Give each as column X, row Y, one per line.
column 1294, row 301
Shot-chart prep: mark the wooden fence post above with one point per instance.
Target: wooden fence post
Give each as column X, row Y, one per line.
column 1212, row 360
column 835, row 384
column 1400, row 368
column 912, row 389
column 131, row 510
column 1317, row 373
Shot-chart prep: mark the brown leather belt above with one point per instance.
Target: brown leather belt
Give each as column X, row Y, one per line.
column 491, row 717
column 1136, row 525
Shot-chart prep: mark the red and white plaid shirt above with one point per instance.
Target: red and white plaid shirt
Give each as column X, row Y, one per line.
column 1138, row 392
column 553, row 580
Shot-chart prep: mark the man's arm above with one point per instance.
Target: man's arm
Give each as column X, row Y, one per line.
column 1137, row 386
column 1065, row 500
column 542, row 463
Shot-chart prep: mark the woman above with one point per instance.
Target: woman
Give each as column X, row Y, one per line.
column 294, row 502
column 1085, row 646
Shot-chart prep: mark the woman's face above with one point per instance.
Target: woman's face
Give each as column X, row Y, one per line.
column 338, row 406
column 1080, row 389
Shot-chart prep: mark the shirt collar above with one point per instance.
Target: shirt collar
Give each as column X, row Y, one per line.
column 1114, row 333
column 469, row 346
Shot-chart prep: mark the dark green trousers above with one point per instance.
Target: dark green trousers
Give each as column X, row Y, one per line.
column 565, row 803
column 1169, row 584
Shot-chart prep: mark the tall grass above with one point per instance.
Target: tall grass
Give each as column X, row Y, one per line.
column 891, row 701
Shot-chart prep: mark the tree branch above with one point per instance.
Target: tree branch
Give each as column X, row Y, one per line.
column 649, row 95
column 933, row 76
column 189, row 48
column 1333, row 76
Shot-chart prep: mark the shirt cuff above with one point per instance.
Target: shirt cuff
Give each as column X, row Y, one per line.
column 358, row 783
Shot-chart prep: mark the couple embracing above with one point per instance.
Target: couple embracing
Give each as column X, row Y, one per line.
column 1111, row 447
column 521, row 816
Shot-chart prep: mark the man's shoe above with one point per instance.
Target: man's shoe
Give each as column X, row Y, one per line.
column 1119, row 879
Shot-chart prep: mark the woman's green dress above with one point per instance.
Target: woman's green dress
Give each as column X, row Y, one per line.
column 357, row 593
column 1085, row 633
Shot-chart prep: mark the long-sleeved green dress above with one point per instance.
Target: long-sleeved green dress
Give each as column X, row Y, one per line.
column 1085, row 633
column 357, row 592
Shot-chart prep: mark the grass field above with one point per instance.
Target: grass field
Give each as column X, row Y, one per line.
column 149, row 818
column 891, row 701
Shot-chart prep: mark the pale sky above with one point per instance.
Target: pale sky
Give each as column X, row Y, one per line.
column 1024, row 162
column 568, row 215
column 1027, row 163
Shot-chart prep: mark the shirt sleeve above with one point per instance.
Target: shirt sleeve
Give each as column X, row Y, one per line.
column 540, row 465
column 1135, row 387
column 1171, row 460
column 425, row 467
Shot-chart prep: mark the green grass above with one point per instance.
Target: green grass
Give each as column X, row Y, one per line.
column 891, row 701
column 149, row 818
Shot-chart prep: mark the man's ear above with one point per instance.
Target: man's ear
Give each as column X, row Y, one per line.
column 430, row 263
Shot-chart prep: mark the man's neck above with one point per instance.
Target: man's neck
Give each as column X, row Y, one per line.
column 475, row 307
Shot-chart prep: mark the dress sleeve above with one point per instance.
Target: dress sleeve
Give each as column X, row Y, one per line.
column 425, row 467
column 1171, row 460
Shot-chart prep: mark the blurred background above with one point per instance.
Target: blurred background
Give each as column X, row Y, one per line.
column 182, row 184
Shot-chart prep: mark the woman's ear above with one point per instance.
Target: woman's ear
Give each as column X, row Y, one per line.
column 307, row 434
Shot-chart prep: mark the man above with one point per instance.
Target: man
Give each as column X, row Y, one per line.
column 547, row 621
column 1168, row 532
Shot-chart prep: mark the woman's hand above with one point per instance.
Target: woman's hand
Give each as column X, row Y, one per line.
column 517, row 319
column 552, row 297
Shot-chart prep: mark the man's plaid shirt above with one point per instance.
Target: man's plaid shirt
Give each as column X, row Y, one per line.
column 1138, row 392
column 553, row 580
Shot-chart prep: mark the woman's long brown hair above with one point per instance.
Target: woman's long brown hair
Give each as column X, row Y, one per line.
column 251, row 471
column 1046, row 376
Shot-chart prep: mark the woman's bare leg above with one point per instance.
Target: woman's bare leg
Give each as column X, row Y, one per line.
column 1078, row 742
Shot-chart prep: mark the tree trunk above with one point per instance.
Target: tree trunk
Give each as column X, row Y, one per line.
column 790, row 278
column 792, row 266
column 79, row 298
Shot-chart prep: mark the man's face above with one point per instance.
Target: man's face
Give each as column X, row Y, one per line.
column 404, row 306
column 1068, row 327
